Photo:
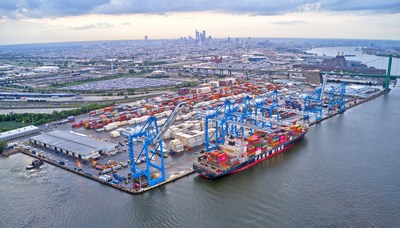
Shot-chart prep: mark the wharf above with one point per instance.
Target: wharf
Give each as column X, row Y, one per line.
column 87, row 175
column 351, row 105
column 10, row 152
column 174, row 176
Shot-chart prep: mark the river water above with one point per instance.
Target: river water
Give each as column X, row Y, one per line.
column 344, row 173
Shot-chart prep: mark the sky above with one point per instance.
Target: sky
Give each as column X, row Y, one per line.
column 42, row 21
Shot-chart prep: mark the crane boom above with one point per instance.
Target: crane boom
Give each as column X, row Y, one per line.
column 168, row 123
column 324, row 79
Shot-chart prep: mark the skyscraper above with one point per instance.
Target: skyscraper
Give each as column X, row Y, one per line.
column 200, row 38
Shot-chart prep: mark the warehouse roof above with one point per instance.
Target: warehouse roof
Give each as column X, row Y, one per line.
column 18, row 131
column 73, row 142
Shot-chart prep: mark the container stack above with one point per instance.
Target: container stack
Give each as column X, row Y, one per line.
column 167, row 135
column 253, row 145
column 298, row 129
column 188, row 141
column 273, row 140
column 264, row 145
column 282, row 138
column 174, row 130
column 110, row 126
column 161, row 122
column 176, row 146
column 214, row 84
column 233, row 161
column 114, row 134
column 218, row 158
column 186, row 117
column 203, row 90
column 199, row 139
column 196, row 125
column 199, row 136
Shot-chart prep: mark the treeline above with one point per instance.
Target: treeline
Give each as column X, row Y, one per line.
column 40, row 118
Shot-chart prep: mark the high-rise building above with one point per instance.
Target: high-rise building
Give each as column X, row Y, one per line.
column 201, row 38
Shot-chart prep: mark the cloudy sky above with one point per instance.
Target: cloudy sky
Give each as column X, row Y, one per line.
column 39, row 21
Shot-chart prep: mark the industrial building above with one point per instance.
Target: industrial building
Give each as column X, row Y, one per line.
column 46, row 69
column 35, row 95
column 17, row 133
column 73, row 144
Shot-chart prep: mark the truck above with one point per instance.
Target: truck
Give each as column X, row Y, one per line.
column 105, row 178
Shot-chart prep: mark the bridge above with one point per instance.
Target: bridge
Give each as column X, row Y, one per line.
column 387, row 77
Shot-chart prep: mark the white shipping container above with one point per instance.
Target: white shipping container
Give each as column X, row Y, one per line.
column 160, row 122
column 99, row 129
column 196, row 126
column 159, row 115
column 199, row 142
column 167, row 135
column 195, row 132
column 114, row 134
column 109, row 127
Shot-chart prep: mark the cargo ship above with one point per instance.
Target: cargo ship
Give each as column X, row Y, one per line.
column 238, row 153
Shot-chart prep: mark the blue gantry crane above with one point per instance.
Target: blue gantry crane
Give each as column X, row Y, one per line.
column 150, row 136
column 337, row 98
column 261, row 106
column 221, row 117
column 313, row 102
column 235, row 116
column 290, row 102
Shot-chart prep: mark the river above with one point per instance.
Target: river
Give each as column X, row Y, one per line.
column 344, row 173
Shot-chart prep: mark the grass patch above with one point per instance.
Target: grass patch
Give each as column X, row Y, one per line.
column 10, row 125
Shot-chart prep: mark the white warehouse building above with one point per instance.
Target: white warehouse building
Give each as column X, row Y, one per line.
column 46, row 69
column 17, row 133
column 75, row 145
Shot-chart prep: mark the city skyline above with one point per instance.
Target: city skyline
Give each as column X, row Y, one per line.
column 63, row 21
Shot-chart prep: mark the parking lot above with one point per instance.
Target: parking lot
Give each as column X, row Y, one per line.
column 123, row 83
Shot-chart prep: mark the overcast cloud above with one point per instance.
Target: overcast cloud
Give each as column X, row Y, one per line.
column 59, row 8
column 38, row 21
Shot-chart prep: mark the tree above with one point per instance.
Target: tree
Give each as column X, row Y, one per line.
column 3, row 146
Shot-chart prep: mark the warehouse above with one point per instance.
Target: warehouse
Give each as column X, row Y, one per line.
column 46, row 69
column 17, row 133
column 75, row 145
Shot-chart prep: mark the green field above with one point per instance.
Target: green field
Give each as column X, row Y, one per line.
column 9, row 125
